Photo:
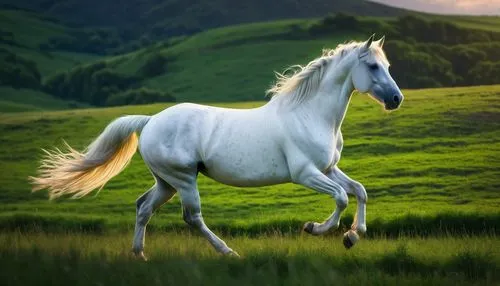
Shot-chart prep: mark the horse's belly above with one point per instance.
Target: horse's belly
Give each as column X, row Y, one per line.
column 251, row 171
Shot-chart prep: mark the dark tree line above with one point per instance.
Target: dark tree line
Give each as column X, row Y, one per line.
column 426, row 53
column 99, row 85
column 17, row 71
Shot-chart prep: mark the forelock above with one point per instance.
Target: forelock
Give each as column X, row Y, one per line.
column 379, row 54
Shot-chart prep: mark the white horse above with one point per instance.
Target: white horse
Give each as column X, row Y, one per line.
column 295, row 137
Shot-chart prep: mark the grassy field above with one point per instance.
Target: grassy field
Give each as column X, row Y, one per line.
column 184, row 259
column 431, row 167
column 17, row 100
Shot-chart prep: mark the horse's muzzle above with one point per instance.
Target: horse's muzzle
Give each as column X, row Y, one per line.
column 394, row 102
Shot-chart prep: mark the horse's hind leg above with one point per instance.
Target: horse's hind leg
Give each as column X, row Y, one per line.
column 191, row 211
column 151, row 200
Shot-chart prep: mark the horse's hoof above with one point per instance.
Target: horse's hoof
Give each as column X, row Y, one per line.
column 350, row 239
column 308, row 227
column 140, row 255
column 232, row 253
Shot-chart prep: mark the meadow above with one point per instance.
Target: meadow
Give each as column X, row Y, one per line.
column 431, row 166
column 431, row 170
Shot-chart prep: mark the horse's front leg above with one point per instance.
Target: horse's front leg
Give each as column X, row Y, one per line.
column 319, row 182
column 355, row 188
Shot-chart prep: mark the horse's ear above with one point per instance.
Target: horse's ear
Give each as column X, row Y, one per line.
column 381, row 41
column 369, row 42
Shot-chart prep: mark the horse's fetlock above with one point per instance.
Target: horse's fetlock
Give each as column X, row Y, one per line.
column 137, row 249
column 361, row 228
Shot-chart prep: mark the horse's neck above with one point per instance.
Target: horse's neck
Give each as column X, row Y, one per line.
column 330, row 104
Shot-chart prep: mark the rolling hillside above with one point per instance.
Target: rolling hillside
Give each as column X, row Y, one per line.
column 431, row 166
column 235, row 63
column 21, row 35
column 161, row 18
column 24, row 32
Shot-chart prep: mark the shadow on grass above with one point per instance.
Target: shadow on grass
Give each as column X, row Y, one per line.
column 36, row 267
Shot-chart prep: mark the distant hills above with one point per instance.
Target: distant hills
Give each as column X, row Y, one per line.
column 48, row 63
column 160, row 18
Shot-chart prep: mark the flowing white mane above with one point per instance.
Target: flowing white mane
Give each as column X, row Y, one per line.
column 304, row 81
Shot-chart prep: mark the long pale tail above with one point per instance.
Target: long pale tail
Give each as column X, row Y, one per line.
column 76, row 173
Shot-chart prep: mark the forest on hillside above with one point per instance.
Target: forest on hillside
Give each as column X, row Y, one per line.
column 427, row 53
column 147, row 20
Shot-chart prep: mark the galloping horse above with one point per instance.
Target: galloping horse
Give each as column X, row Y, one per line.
column 295, row 137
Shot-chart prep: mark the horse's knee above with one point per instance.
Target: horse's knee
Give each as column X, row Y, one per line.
column 342, row 200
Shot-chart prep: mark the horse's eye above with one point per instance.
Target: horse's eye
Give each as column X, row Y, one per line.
column 373, row 67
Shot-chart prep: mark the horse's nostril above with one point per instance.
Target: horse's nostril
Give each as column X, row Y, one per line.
column 396, row 99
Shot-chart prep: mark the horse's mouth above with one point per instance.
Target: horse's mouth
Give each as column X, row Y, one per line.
column 391, row 106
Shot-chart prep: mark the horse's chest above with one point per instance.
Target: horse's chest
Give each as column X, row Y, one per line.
column 326, row 159
column 325, row 154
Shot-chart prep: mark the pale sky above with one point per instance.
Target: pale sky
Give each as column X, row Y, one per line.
column 465, row 7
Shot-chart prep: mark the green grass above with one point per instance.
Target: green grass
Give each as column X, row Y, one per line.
column 185, row 259
column 17, row 100
column 432, row 166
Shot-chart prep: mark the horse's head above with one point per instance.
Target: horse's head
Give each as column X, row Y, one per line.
column 371, row 74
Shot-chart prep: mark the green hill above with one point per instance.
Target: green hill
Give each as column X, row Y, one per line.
column 161, row 18
column 237, row 63
column 22, row 61
column 24, row 32
column 17, row 100
column 429, row 167
column 226, row 64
